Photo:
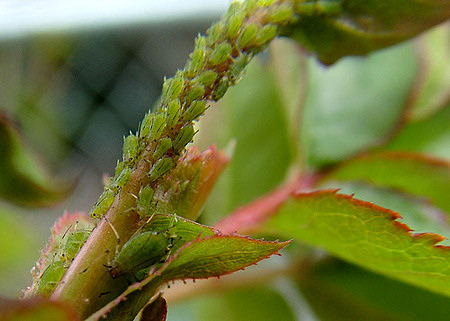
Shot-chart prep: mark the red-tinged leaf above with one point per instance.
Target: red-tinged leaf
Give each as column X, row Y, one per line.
column 356, row 231
column 365, row 234
column 218, row 255
column 37, row 309
column 22, row 181
column 416, row 174
column 155, row 311
column 212, row 256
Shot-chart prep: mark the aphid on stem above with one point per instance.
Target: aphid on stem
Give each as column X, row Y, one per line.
column 103, row 203
column 142, row 251
column 161, row 166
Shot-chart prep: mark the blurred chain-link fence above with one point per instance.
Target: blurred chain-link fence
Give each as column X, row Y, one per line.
column 74, row 96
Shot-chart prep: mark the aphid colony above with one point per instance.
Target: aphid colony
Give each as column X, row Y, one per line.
column 68, row 236
column 218, row 61
column 70, row 245
column 152, row 245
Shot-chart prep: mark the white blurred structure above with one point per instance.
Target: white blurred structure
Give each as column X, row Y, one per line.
column 27, row 17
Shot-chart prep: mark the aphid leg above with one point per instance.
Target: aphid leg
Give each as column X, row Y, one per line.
column 115, row 232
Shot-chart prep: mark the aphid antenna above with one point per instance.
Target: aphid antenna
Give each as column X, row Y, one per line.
column 64, row 235
column 115, row 232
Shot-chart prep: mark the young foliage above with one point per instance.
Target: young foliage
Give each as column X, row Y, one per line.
column 357, row 231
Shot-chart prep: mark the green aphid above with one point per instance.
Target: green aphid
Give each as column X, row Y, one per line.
column 146, row 125
column 207, row 77
column 281, row 13
column 184, row 137
column 197, row 90
column 119, row 168
column 161, row 166
column 50, row 278
column 164, row 145
column 248, row 35
column 140, row 252
column 173, row 113
column 198, row 57
column 195, row 110
column 158, row 125
column 221, row 89
column 265, row 3
column 173, row 87
column 73, row 244
column 233, row 8
column 250, row 5
column 120, row 180
column 130, row 148
column 215, row 33
column 221, row 53
column 234, row 24
column 237, row 68
column 103, row 203
column 266, row 34
column 144, row 201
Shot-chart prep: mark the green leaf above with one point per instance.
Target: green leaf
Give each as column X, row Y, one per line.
column 354, row 104
column 37, row 310
column 432, row 85
column 212, row 256
column 357, row 27
column 22, row 181
column 340, row 291
column 430, row 135
column 356, row 231
column 365, row 234
column 412, row 173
